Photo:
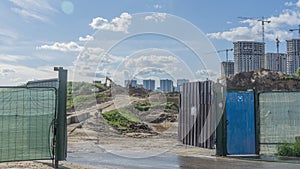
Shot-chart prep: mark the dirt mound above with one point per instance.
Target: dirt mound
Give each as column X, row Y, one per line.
column 264, row 80
column 165, row 117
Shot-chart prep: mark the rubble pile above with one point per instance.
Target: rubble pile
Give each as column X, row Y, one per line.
column 264, row 80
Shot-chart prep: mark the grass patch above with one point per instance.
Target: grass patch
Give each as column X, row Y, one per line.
column 143, row 107
column 147, row 106
column 120, row 119
column 171, row 106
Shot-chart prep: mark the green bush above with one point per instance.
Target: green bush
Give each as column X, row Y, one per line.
column 297, row 148
column 286, row 150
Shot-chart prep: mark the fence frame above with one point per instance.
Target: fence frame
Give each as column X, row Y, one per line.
column 54, row 118
column 60, row 121
column 258, row 113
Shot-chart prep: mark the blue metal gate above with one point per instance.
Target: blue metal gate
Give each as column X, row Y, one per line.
column 240, row 117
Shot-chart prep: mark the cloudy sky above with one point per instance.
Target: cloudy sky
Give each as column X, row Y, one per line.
column 121, row 39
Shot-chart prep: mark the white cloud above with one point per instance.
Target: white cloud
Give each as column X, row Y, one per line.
column 157, row 6
column 64, row 47
column 278, row 27
column 118, row 24
column 8, row 33
column 289, row 4
column 150, row 61
column 6, row 71
column 34, row 9
column 204, row 74
column 234, row 34
column 15, row 74
column 86, row 38
column 143, row 66
column 292, row 3
column 12, row 58
column 157, row 17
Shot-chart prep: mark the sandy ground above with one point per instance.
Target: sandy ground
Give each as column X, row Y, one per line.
column 101, row 137
column 42, row 165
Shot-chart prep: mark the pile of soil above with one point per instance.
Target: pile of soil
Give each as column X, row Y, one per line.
column 163, row 117
column 264, row 80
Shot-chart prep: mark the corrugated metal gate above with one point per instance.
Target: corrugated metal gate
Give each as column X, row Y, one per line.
column 240, row 116
column 196, row 115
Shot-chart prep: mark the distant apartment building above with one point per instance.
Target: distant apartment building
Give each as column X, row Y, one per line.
column 149, row 84
column 293, row 55
column 166, row 85
column 248, row 56
column 130, row 83
column 180, row 83
column 227, row 68
column 276, row 62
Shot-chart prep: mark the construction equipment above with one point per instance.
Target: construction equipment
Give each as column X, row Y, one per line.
column 263, row 21
column 107, row 79
column 226, row 50
column 296, row 30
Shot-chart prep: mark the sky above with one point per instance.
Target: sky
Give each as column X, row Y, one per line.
column 133, row 39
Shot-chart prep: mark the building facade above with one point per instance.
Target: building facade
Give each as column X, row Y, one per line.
column 180, row 83
column 130, row 83
column 149, row 84
column 248, row 56
column 293, row 55
column 227, row 68
column 276, row 62
column 166, row 85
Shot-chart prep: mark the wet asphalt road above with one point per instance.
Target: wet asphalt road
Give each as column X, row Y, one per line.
column 107, row 160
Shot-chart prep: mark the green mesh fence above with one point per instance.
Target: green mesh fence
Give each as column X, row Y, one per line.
column 279, row 119
column 26, row 118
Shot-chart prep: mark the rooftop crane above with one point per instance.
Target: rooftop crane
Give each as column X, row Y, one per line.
column 263, row 21
column 296, row 30
column 226, row 50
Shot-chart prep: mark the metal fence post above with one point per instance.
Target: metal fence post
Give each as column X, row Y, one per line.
column 61, row 125
column 221, row 148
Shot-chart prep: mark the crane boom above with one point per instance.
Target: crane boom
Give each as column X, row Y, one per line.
column 262, row 20
column 226, row 50
column 296, row 30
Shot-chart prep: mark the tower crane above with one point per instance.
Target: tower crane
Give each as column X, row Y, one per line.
column 226, row 50
column 262, row 20
column 296, row 30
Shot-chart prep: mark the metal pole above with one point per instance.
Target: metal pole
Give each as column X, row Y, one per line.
column 278, row 57
column 227, row 64
column 61, row 121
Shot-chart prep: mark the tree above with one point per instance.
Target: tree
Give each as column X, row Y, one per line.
column 298, row 72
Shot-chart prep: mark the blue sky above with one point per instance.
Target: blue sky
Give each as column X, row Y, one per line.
column 36, row 35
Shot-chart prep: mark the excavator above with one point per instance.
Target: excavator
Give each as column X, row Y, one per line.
column 107, row 79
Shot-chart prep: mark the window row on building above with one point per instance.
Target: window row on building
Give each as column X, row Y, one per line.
column 250, row 55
